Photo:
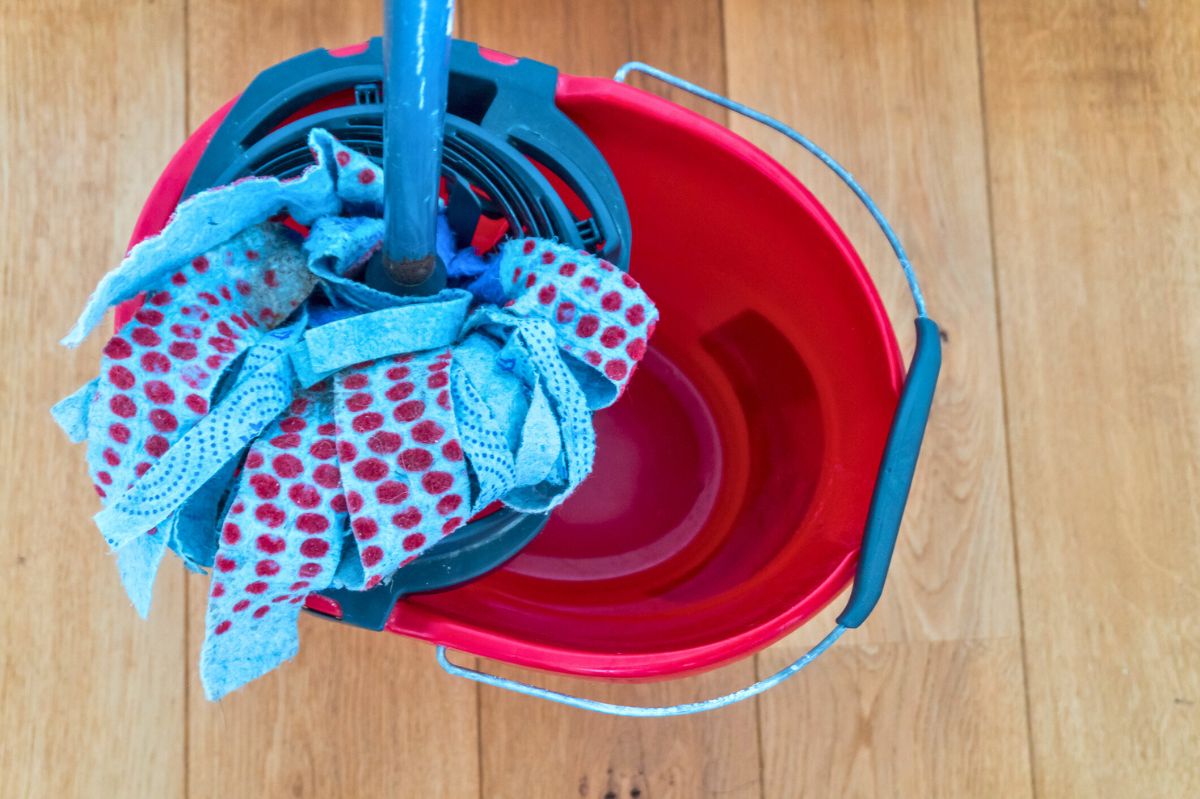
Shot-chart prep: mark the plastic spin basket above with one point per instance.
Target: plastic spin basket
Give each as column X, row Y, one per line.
column 762, row 457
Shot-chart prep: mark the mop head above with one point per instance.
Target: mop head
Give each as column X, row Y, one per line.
column 274, row 421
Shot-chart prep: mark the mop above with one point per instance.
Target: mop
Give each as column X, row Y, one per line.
column 319, row 386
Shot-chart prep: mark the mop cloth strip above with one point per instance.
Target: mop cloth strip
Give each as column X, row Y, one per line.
column 270, row 418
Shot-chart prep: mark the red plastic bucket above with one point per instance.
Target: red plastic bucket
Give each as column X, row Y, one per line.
column 733, row 480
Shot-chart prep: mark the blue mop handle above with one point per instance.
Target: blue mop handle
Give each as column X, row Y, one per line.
column 416, row 59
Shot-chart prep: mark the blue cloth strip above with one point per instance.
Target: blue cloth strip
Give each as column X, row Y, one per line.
column 138, row 562
column 408, row 328
column 71, row 412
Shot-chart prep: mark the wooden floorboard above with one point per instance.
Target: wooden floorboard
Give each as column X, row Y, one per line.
column 943, row 718
column 1092, row 114
column 91, row 698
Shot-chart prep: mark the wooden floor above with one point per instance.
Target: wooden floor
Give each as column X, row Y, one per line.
column 1040, row 635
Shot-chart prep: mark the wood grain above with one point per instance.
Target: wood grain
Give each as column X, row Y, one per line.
column 357, row 713
column 944, row 718
column 1092, row 114
column 536, row 749
column 92, row 698
column 595, row 38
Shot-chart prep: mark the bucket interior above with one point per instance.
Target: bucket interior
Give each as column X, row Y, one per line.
column 733, row 478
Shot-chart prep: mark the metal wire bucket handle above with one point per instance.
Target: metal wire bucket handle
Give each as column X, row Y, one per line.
column 892, row 483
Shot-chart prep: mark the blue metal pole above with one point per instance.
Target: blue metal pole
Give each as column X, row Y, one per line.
column 416, row 58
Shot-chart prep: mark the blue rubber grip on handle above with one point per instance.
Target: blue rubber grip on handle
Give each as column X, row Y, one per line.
column 895, row 475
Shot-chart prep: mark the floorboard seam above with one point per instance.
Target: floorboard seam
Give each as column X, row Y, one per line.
column 1008, row 462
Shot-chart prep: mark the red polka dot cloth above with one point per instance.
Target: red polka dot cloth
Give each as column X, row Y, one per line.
column 277, row 423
